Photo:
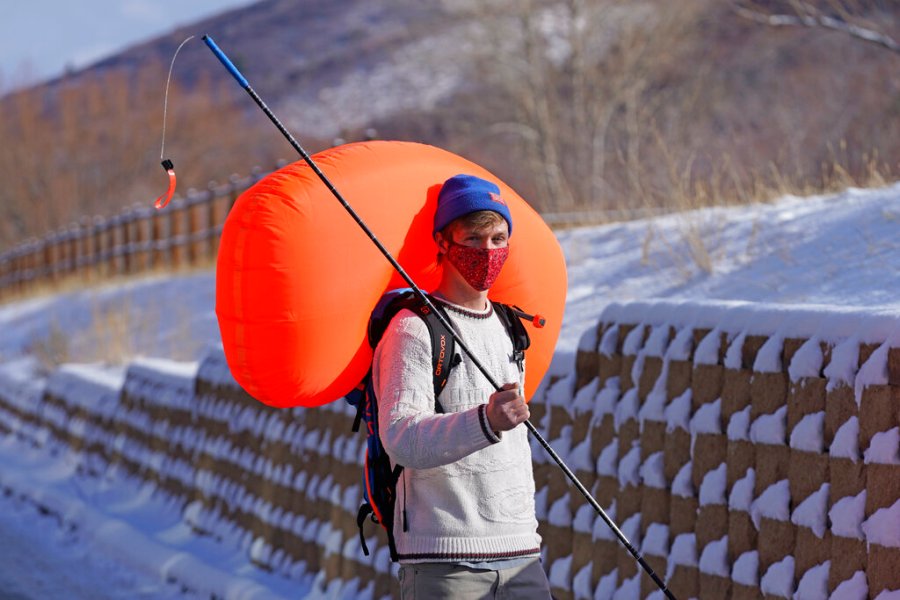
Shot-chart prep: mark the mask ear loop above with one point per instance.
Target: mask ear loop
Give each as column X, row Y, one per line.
column 167, row 165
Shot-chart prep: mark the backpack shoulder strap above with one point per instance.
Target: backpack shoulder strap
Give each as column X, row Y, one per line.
column 511, row 320
column 443, row 346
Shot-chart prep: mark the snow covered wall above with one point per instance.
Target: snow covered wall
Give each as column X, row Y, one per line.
column 745, row 450
column 283, row 485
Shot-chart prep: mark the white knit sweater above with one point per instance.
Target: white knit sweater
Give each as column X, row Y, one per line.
column 464, row 494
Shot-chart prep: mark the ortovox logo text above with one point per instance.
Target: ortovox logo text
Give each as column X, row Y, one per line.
column 441, row 355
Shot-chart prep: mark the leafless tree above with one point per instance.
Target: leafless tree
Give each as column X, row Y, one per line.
column 845, row 16
column 570, row 83
column 72, row 150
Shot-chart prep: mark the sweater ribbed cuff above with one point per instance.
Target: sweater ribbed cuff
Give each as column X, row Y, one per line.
column 486, row 426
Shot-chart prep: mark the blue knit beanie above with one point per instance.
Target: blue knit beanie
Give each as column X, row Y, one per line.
column 464, row 194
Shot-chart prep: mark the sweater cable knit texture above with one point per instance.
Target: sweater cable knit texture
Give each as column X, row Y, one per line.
column 465, row 494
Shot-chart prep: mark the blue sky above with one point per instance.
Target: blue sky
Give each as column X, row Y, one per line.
column 39, row 38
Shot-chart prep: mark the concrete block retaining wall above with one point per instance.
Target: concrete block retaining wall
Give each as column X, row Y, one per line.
column 745, row 452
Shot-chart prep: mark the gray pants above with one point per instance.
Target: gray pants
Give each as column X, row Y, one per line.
column 435, row 581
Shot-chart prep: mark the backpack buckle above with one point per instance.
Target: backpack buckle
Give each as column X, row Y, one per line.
column 518, row 357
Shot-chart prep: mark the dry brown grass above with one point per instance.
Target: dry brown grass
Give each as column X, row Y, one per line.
column 94, row 148
column 119, row 329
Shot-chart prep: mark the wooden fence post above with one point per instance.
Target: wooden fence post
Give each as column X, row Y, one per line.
column 112, row 246
column 48, row 257
column 62, row 253
column 139, row 244
column 126, row 219
column 74, row 233
column 15, row 266
column 195, row 204
column 157, row 239
column 97, row 247
column 216, row 216
column 4, row 274
column 85, row 256
column 135, row 240
column 31, row 263
column 176, row 230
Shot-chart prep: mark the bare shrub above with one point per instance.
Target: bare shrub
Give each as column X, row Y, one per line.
column 606, row 105
column 51, row 350
column 92, row 147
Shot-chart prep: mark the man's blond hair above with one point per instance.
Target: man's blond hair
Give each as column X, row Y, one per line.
column 478, row 220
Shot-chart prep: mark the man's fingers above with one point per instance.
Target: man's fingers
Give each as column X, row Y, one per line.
column 506, row 398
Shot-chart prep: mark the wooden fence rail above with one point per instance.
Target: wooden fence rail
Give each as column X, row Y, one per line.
column 185, row 233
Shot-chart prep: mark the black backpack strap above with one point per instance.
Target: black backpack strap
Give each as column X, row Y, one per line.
column 511, row 320
column 357, row 398
column 364, row 511
column 443, row 346
column 389, row 518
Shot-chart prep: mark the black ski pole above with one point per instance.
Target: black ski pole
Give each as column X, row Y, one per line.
column 242, row 81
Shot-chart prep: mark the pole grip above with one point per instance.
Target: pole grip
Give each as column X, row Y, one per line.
column 242, row 81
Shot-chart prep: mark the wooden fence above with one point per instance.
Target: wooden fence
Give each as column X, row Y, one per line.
column 140, row 238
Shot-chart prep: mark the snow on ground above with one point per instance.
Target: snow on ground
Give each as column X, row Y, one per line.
column 840, row 251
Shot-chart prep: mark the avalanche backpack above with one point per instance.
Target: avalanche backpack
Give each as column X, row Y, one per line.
column 379, row 478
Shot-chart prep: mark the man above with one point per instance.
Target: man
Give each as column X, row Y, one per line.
column 464, row 524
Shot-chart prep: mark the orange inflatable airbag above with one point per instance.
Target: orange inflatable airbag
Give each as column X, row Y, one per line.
column 297, row 277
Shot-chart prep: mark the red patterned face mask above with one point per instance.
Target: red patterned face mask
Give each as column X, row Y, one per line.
column 480, row 267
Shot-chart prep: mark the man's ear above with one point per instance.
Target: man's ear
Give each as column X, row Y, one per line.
column 441, row 242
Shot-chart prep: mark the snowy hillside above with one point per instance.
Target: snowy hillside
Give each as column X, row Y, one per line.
column 839, row 251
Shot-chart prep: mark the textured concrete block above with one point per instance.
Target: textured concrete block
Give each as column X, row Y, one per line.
column 625, row 380
column 883, row 570
column 714, row 586
column 655, row 507
column 840, row 405
column 805, row 397
column 807, row 472
column 742, row 534
column 735, row 391
column 877, row 412
column 608, row 366
column 776, row 540
column 710, row 451
column 658, row 564
column 745, row 592
column 811, row 550
column 768, row 393
column 653, row 438
column 772, row 464
column 649, row 374
column 679, row 379
column 676, row 452
column 741, row 455
column 706, row 384
column 853, row 558
column 752, row 344
column 712, row 524
column 685, row 582
column 847, row 478
column 683, row 517
column 882, row 487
